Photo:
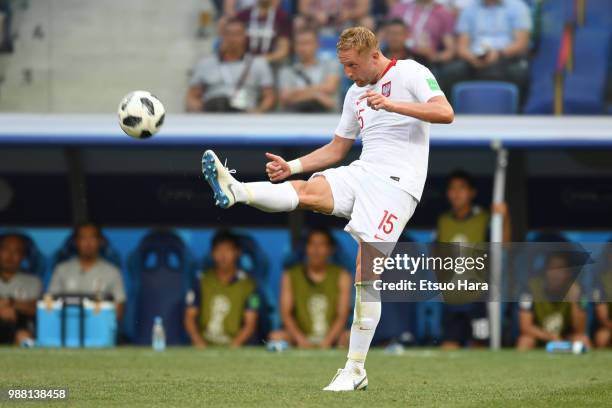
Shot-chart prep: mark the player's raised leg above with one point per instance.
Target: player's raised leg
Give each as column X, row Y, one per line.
column 314, row 194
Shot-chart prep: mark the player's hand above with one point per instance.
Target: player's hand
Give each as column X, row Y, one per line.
column 377, row 101
column 277, row 168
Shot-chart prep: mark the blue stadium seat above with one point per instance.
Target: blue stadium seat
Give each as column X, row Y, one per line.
column 397, row 323
column 585, row 87
column 429, row 322
column 598, row 13
column 544, row 63
column 542, row 75
column 554, row 15
column 254, row 261
column 34, row 261
column 408, row 319
column 485, row 97
column 327, row 46
column 161, row 270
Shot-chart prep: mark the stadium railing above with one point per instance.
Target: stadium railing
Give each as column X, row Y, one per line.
column 297, row 130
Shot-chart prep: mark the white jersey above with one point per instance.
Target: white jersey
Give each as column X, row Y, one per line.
column 395, row 147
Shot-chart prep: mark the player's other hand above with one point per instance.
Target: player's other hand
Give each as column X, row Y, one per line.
column 377, row 101
column 277, row 168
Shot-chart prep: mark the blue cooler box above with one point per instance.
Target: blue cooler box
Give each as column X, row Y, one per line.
column 97, row 320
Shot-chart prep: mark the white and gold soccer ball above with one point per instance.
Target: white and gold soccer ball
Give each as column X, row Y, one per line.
column 141, row 114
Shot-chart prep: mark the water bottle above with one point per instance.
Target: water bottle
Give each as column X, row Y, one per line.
column 159, row 335
column 574, row 347
column 277, row 345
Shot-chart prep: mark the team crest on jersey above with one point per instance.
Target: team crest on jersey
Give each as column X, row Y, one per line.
column 386, row 89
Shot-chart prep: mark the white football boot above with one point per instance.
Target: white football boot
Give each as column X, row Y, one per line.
column 348, row 380
column 220, row 179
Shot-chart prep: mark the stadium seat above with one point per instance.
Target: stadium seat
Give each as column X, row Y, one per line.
column 429, row 322
column 598, row 13
column 161, row 270
column 254, row 261
column 407, row 321
column 485, row 97
column 34, row 262
column 585, row 87
column 542, row 75
column 327, row 47
column 554, row 15
column 397, row 323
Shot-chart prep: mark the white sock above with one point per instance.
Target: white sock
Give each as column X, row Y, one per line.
column 365, row 319
column 266, row 196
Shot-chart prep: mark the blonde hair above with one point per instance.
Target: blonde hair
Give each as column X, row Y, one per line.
column 357, row 38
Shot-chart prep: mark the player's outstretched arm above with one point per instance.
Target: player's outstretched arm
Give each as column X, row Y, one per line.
column 278, row 169
column 435, row 110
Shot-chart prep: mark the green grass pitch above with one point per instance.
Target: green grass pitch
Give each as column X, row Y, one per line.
column 184, row 377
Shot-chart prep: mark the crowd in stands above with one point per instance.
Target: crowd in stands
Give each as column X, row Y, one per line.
column 457, row 40
column 223, row 305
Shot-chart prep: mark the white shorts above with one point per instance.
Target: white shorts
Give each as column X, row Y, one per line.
column 377, row 210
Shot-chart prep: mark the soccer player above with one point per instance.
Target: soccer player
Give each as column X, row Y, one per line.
column 391, row 105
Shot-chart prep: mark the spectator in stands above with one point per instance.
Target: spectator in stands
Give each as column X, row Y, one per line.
column 603, row 304
column 466, row 323
column 222, row 306
column 550, row 308
column 333, row 15
column 493, row 42
column 395, row 34
column 310, row 84
column 18, row 293
column 88, row 274
column 231, row 80
column 268, row 30
column 431, row 30
column 315, row 297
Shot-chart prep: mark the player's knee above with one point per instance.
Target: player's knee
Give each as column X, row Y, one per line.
column 307, row 195
column 301, row 188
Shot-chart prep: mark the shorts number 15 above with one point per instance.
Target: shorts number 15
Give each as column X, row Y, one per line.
column 386, row 224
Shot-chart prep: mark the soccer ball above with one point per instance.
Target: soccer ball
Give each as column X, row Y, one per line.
column 141, row 114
